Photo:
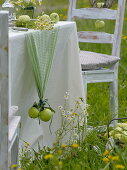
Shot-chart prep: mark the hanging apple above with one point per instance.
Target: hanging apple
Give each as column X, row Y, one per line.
column 33, row 112
column 41, row 110
column 100, row 4
column 46, row 115
column 99, row 24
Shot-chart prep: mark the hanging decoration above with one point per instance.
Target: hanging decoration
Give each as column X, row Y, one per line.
column 41, row 46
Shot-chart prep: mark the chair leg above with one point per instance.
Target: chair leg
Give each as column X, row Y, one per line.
column 114, row 99
column 85, row 86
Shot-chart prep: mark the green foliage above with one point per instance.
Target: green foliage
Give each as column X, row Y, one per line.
column 89, row 155
column 86, row 156
column 83, row 148
column 1, row 2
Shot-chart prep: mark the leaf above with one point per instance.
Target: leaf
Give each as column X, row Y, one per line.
column 35, row 105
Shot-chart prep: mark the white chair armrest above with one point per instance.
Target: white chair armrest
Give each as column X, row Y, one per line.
column 14, row 122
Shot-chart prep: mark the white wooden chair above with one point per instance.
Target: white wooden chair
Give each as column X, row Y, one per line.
column 94, row 64
column 9, row 124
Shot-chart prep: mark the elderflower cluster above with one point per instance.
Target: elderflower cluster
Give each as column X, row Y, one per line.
column 44, row 24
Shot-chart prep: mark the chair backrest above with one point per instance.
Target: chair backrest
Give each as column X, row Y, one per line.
column 4, row 95
column 100, row 13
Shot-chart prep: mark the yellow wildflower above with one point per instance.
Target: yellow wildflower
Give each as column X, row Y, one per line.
column 115, row 158
column 109, row 156
column 120, row 166
column 63, row 145
column 19, row 169
column 14, row 166
column 75, row 145
column 106, row 160
column 49, row 156
column 106, row 152
column 124, row 37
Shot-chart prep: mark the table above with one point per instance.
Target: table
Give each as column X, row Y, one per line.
column 65, row 76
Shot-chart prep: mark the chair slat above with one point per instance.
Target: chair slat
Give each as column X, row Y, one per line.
column 94, row 13
column 95, row 37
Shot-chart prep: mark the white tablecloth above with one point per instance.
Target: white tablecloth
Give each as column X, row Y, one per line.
column 65, row 76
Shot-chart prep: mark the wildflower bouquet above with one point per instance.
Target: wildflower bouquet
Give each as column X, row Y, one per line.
column 46, row 22
column 73, row 122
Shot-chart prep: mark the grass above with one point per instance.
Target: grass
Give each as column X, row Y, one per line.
column 77, row 148
column 98, row 94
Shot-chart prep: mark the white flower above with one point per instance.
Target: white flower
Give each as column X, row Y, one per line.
column 67, row 93
column 63, row 111
column 68, row 112
column 60, row 107
column 81, row 123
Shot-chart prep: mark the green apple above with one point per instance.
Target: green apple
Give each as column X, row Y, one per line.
column 46, row 115
column 45, row 17
column 33, row 112
column 23, row 19
column 99, row 24
column 100, row 4
column 54, row 17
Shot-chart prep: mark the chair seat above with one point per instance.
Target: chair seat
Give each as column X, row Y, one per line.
column 91, row 60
